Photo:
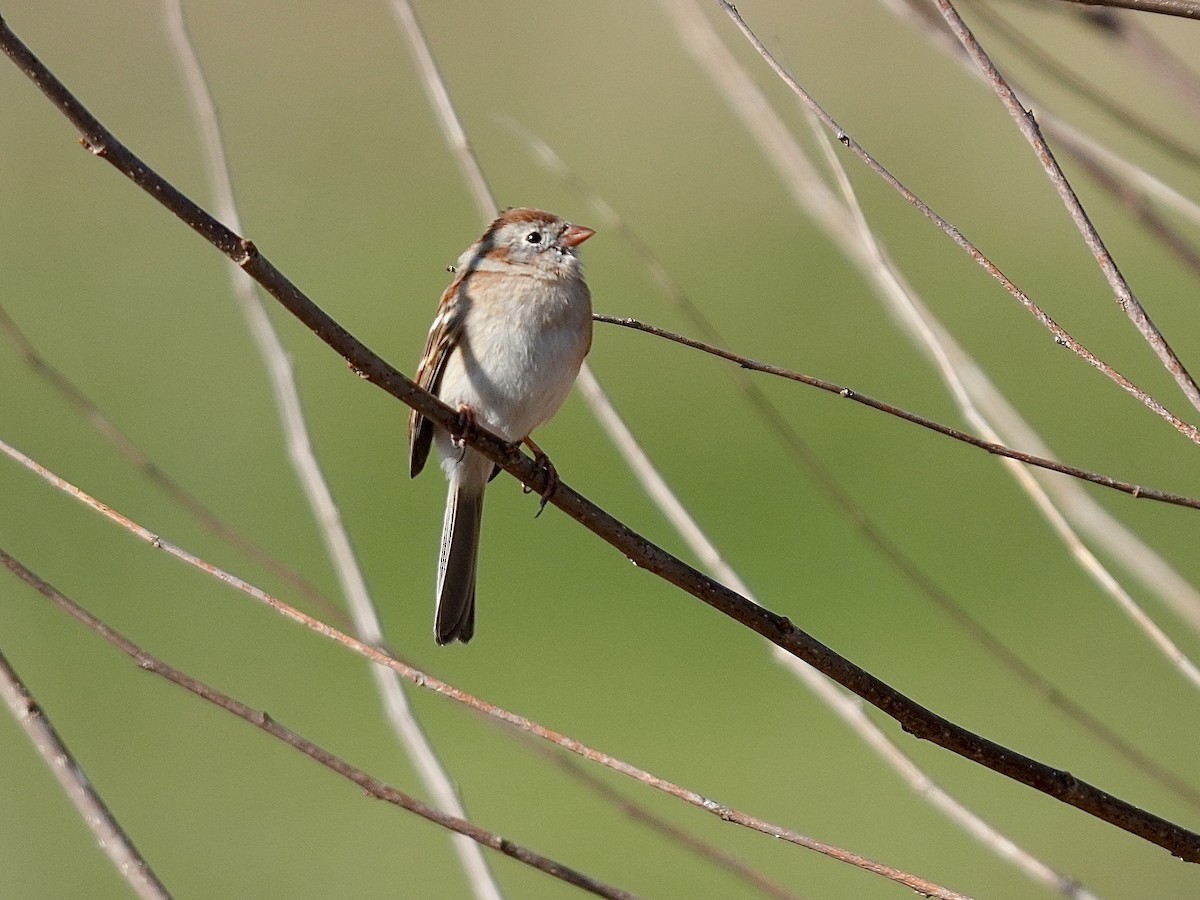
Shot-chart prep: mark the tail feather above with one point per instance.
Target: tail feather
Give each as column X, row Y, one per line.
column 455, row 617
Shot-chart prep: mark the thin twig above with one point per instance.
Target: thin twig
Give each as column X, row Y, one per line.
column 916, row 317
column 920, row 323
column 856, row 242
column 996, row 449
column 1061, row 336
column 639, row 813
column 309, row 473
column 1184, row 8
column 848, row 708
column 1137, row 203
column 1028, row 126
column 1120, row 114
column 443, row 107
column 429, row 682
column 141, row 461
column 974, row 391
column 259, row 719
column 779, row 630
column 1087, row 560
column 92, row 809
column 1164, row 65
column 596, row 398
column 774, row 418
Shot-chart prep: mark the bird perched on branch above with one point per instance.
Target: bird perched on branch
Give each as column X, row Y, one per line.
column 509, row 336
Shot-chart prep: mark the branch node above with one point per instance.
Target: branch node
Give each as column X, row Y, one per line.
column 720, row 810
column 847, row 393
column 249, row 252
column 95, row 149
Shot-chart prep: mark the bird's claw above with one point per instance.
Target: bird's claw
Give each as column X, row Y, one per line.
column 465, row 429
column 542, row 461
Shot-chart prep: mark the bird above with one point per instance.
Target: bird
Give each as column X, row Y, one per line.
column 506, row 344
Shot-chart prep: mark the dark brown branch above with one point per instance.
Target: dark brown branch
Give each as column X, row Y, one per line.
column 373, row 786
column 1182, row 8
column 913, row 717
column 1041, row 462
column 96, row 815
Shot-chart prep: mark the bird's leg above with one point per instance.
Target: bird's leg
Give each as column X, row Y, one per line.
column 466, row 427
column 542, row 461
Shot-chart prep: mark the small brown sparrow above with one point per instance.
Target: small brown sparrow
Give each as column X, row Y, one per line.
column 508, row 339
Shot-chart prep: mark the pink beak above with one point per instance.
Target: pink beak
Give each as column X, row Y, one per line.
column 575, row 235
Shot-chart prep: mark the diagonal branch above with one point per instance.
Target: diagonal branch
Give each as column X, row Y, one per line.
column 1184, row 8
column 980, row 400
column 913, row 717
column 371, row 785
column 429, row 682
column 1127, row 487
column 772, row 416
column 108, row 832
column 1061, row 335
column 310, row 476
column 1029, row 128
column 154, row 473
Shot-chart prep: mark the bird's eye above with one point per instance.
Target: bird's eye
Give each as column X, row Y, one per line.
column 534, row 237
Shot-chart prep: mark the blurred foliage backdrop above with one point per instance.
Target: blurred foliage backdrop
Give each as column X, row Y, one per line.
column 344, row 181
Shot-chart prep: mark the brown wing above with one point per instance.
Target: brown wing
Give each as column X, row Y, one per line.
column 443, row 338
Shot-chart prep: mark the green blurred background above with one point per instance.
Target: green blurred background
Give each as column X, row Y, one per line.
column 344, row 181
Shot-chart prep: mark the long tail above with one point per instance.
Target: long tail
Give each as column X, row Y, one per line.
column 455, row 617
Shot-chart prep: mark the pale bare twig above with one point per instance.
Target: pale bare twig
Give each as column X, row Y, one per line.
column 1028, row 126
column 113, row 841
column 796, row 172
column 993, row 447
column 1138, row 205
column 974, row 391
column 774, row 417
column 914, row 718
column 849, row 709
column 260, row 719
column 443, row 107
column 937, row 343
column 892, row 287
column 125, row 445
column 460, row 146
column 640, row 813
column 1061, row 336
column 1071, row 139
column 952, row 363
column 683, row 522
column 308, row 469
column 429, row 682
